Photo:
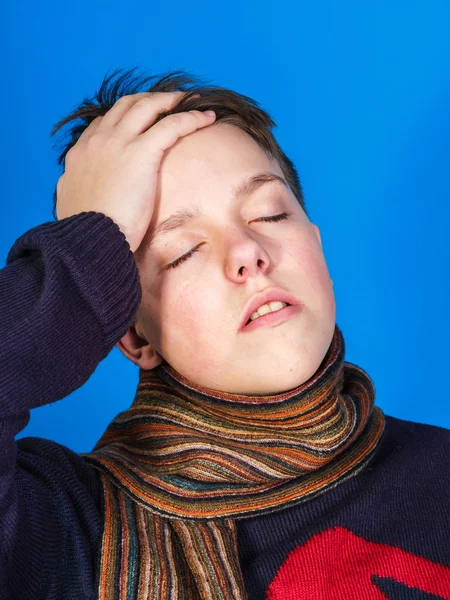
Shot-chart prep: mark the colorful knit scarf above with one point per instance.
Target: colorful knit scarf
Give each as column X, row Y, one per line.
column 184, row 462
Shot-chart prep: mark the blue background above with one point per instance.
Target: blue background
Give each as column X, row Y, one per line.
column 361, row 96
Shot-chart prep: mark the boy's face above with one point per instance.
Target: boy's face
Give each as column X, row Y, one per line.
column 190, row 315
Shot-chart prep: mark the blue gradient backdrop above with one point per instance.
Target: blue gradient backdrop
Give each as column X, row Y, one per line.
column 361, row 96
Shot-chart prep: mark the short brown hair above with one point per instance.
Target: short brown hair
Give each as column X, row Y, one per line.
column 229, row 106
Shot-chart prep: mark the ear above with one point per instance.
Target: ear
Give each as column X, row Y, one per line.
column 138, row 350
column 317, row 230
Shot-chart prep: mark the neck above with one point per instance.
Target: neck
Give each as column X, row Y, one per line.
column 205, row 453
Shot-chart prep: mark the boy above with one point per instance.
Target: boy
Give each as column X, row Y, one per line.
column 252, row 462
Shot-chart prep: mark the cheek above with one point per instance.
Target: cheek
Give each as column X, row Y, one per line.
column 188, row 317
column 307, row 260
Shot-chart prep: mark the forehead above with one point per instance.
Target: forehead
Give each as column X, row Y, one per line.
column 209, row 161
column 202, row 173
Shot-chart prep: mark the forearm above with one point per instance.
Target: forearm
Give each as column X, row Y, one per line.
column 68, row 293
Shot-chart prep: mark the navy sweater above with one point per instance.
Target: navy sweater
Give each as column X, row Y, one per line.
column 68, row 293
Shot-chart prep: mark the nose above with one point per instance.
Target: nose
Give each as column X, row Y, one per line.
column 246, row 258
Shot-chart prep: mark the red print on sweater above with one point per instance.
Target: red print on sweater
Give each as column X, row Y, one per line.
column 340, row 565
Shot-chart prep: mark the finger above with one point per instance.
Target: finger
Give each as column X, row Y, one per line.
column 90, row 130
column 114, row 116
column 143, row 113
column 119, row 108
column 166, row 132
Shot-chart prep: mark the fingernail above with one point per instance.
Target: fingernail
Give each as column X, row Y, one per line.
column 209, row 113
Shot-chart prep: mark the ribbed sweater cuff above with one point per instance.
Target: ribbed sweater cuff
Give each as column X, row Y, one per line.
column 99, row 260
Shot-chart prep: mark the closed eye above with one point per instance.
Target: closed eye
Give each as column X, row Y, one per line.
column 180, row 260
column 274, row 218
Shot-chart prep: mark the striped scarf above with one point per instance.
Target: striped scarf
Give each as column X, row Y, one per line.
column 184, row 462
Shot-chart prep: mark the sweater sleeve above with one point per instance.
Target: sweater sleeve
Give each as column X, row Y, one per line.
column 68, row 293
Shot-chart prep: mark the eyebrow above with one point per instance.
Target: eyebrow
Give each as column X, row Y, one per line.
column 184, row 215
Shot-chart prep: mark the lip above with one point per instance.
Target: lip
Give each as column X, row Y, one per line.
column 272, row 318
column 268, row 295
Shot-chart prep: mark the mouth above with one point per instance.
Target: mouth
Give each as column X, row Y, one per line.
column 268, row 296
column 272, row 319
column 276, row 311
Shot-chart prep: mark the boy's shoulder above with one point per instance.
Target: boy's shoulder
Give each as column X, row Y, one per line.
column 418, row 447
column 415, row 432
column 58, row 468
